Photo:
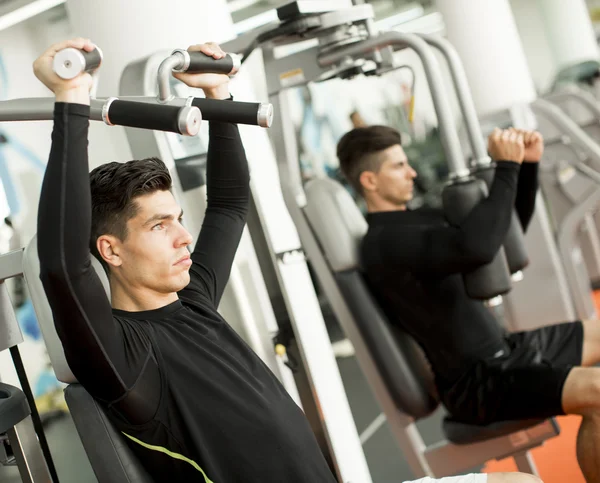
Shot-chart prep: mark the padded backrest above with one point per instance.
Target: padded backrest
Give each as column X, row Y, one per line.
column 111, row 459
column 339, row 227
column 31, row 272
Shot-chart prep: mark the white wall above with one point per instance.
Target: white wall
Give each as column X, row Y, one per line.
column 530, row 25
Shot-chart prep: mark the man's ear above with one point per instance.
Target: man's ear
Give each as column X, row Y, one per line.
column 109, row 248
column 368, row 181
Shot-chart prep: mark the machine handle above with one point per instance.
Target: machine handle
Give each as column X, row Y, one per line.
column 197, row 62
column 252, row 113
column 70, row 62
column 181, row 120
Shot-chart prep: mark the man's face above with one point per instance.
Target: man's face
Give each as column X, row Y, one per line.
column 394, row 182
column 154, row 253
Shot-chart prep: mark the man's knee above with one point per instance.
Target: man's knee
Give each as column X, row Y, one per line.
column 513, row 478
column 581, row 391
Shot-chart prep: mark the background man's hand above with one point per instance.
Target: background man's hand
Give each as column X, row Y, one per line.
column 506, row 146
column 215, row 86
column 534, row 146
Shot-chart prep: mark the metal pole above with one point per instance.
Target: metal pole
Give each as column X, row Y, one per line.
column 567, row 126
column 447, row 126
column 35, row 415
column 463, row 93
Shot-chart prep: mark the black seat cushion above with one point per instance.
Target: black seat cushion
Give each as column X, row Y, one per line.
column 110, row 457
column 399, row 359
column 13, row 407
column 461, row 433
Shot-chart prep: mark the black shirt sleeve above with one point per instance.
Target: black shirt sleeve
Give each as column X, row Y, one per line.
column 228, row 197
column 527, row 188
column 442, row 249
column 93, row 342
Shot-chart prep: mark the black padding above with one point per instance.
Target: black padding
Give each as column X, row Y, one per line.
column 202, row 63
column 93, row 59
column 145, row 115
column 399, row 359
column 13, row 407
column 460, row 433
column 111, row 459
column 227, row 111
column 514, row 243
column 492, row 279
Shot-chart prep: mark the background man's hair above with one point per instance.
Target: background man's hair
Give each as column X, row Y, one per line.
column 358, row 151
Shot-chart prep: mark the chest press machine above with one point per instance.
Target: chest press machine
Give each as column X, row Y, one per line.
column 20, row 426
column 343, row 44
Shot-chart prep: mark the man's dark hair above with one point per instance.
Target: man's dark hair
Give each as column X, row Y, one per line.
column 358, row 151
column 114, row 188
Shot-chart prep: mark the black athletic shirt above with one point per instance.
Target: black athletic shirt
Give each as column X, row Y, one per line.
column 413, row 262
column 193, row 401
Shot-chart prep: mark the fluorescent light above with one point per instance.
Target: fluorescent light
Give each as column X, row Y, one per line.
column 400, row 18
column 27, row 11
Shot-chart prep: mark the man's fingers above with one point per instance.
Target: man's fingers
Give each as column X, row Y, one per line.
column 76, row 43
column 209, row 48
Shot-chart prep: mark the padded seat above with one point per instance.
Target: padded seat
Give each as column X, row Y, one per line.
column 111, row 459
column 461, row 433
column 13, row 407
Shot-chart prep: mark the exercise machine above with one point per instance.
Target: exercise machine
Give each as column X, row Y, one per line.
column 109, row 456
column 305, row 47
column 22, row 439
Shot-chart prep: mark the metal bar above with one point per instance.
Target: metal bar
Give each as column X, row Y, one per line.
column 40, row 109
column 29, row 457
column 463, row 93
column 35, row 415
column 525, row 463
column 10, row 332
column 567, row 126
column 447, row 126
column 11, row 264
column 573, row 93
column 446, row 458
column 164, row 76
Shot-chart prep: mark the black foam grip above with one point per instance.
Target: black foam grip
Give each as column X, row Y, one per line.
column 492, row 279
column 202, row 63
column 92, row 59
column 514, row 243
column 144, row 115
column 228, row 111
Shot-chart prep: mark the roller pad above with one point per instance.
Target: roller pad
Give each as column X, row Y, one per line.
column 514, row 243
column 487, row 281
column 13, row 407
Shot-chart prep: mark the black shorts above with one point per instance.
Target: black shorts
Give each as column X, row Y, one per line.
column 526, row 383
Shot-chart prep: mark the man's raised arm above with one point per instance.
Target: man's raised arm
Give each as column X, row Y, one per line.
column 82, row 313
column 442, row 249
column 228, row 189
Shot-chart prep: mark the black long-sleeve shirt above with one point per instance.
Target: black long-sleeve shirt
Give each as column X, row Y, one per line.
column 413, row 262
column 193, row 401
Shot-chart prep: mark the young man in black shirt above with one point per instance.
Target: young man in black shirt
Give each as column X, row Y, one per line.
column 413, row 262
column 192, row 400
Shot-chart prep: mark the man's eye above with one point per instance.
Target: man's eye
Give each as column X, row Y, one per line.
column 158, row 226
